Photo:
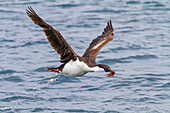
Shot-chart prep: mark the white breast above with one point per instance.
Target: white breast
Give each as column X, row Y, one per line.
column 77, row 68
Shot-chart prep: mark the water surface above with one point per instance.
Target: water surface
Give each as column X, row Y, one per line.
column 139, row 54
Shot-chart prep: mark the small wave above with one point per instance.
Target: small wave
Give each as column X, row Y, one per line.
column 34, row 43
column 106, row 101
column 32, row 89
column 165, row 45
column 162, row 96
column 63, row 99
column 41, row 69
column 113, row 61
column 166, row 85
column 154, row 6
column 6, row 40
column 26, row 3
column 66, row 5
column 8, row 11
column 28, row 44
column 133, row 2
column 154, row 3
column 93, row 89
column 153, row 78
column 112, row 111
column 86, row 86
column 3, row 108
column 144, row 99
column 7, row 72
column 13, row 79
column 127, row 59
column 119, row 85
column 129, row 47
column 141, row 57
column 105, row 11
column 78, row 110
column 132, row 21
column 156, row 75
column 156, row 9
column 94, row 18
column 44, row 110
column 38, row 110
column 138, row 78
column 83, row 25
column 13, row 98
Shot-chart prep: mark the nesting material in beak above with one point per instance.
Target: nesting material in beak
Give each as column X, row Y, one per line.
column 111, row 74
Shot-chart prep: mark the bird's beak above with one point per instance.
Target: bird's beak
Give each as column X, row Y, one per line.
column 111, row 74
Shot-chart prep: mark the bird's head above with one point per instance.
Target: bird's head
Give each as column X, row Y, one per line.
column 106, row 69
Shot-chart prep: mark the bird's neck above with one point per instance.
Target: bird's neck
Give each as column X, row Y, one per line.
column 97, row 69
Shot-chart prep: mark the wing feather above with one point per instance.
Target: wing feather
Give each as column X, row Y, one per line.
column 100, row 41
column 54, row 37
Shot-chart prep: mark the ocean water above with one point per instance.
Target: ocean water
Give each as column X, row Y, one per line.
column 139, row 54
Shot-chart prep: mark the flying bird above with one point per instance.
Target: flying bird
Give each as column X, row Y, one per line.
column 73, row 64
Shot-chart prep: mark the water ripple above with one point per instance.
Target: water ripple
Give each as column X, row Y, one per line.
column 66, row 5
column 7, row 71
column 63, row 99
column 166, row 85
column 8, row 11
column 14, row 98
column 119, row 85
column 79, row 110
column 38, row 110
column 139, row 54
column 28, row 44
column 41, row 69
column 105, row 11
column 13, row 79
column 130, row 47
column 133, row 2
column 128, row 59
column 6, row 40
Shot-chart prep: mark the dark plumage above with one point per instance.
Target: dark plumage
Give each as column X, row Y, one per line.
column 67, row 54
column 54, row 37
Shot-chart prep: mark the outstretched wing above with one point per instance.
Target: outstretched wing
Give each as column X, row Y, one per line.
column 99, row 42
column 56, row 40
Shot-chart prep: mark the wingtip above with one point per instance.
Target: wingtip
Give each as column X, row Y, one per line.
column 28, row 7
column 111, row 25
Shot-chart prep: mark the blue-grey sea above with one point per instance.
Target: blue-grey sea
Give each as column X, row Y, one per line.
column 139, row 54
